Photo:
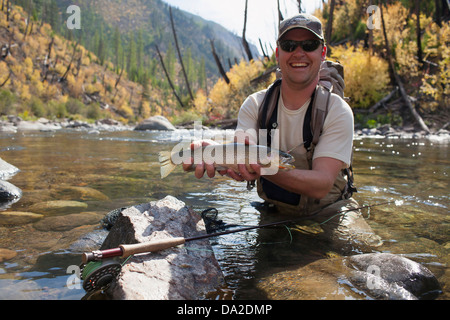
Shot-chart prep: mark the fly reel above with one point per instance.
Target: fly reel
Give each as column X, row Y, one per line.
column 97, row 275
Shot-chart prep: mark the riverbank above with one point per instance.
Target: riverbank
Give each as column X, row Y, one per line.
column 15, row 124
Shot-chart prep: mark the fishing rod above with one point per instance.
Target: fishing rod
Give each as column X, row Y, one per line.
column 98, row 269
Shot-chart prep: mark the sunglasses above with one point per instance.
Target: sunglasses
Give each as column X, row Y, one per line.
column 306, row 45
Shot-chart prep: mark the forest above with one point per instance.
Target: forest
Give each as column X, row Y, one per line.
column 395, row 55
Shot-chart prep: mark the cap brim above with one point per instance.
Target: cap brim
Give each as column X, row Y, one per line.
column 298, row 27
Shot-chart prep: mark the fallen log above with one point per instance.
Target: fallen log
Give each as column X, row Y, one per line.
column 383, row 101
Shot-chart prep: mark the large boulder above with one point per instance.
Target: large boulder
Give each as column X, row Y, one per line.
column 186, row 272
column 155, row 123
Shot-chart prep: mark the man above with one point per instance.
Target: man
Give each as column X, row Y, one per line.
column 318, row 183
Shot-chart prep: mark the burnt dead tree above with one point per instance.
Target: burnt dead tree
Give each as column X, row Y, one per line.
column 329, row 26
column 180, row 58
column 280, row 15
column 244, row 41
column 46, row 64
column 64, row 77
column 219, row 64
column 168, row 77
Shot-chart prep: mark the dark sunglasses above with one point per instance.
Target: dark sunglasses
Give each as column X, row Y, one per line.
column 306, row 45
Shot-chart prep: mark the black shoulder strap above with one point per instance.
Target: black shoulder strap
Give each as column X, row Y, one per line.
column 269, row 105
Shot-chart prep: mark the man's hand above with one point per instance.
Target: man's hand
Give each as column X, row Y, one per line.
column 200, row 168
column 244, row 174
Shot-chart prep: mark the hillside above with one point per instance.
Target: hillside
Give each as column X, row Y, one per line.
column 42, row 73
column 149, row 20
column 45, row 75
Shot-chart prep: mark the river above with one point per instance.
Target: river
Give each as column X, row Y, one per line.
column 108, row 170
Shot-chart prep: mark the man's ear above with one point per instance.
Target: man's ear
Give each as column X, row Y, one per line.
column 276, row 53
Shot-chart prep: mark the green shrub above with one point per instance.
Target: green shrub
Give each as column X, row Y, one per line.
column 7, row 100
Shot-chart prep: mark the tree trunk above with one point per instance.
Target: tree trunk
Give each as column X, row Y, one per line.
column 414, row 113
column 330, row 22
column 280, row 15
column 219, row 64
column 168, row 77
column 244, row 41
column 418, row 32
column 179, row 55
column 262, row 49
column 64, row 77
column 47, row 60
column 299, row 6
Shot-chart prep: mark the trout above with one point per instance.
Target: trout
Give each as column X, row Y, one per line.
column 226, row 156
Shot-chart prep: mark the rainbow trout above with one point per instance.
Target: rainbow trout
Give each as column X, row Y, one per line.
column 227, row 156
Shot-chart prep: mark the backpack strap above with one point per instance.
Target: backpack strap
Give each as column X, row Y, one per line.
column 319, row 112
column 269, row 106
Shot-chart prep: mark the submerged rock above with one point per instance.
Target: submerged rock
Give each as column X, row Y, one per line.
column 389, row 276
column 187, row 272
column 79, row 193
column 67, row 222
column 6, row 254
column 58, row 206
column 379, row 276
column 18, row 217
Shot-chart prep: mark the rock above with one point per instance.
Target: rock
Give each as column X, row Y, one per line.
column 57, row 206
column 110, row 218
column 37, row 126
column 67, row 222
column 155, row 123
column 389, row 276
column 7, row 170
column 9, row 191
column 18, row 217
column 89, row 242
column 6, row 254
column 379, row 276
column 187, row 272
column 79, row 193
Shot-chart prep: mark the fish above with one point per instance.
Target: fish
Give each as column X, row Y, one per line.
column 226, row 156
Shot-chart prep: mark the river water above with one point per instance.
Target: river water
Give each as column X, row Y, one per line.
column 108, row 170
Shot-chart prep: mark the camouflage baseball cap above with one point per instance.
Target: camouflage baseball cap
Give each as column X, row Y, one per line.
column 303, row 21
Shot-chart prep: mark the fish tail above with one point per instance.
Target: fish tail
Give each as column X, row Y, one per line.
column 165, row 161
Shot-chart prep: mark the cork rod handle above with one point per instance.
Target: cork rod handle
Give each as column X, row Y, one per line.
column 130, row 249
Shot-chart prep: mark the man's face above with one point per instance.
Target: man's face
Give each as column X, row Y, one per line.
column 300, row 69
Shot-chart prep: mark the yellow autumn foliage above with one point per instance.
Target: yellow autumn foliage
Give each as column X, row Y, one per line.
column 4, row 72
column 437, row 86
column 226, row 99
column 366, row 76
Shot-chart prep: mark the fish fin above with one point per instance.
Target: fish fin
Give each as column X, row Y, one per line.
column 165, row 161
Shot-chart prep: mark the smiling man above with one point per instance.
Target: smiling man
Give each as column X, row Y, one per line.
column 312, row 124
column 318, row 179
